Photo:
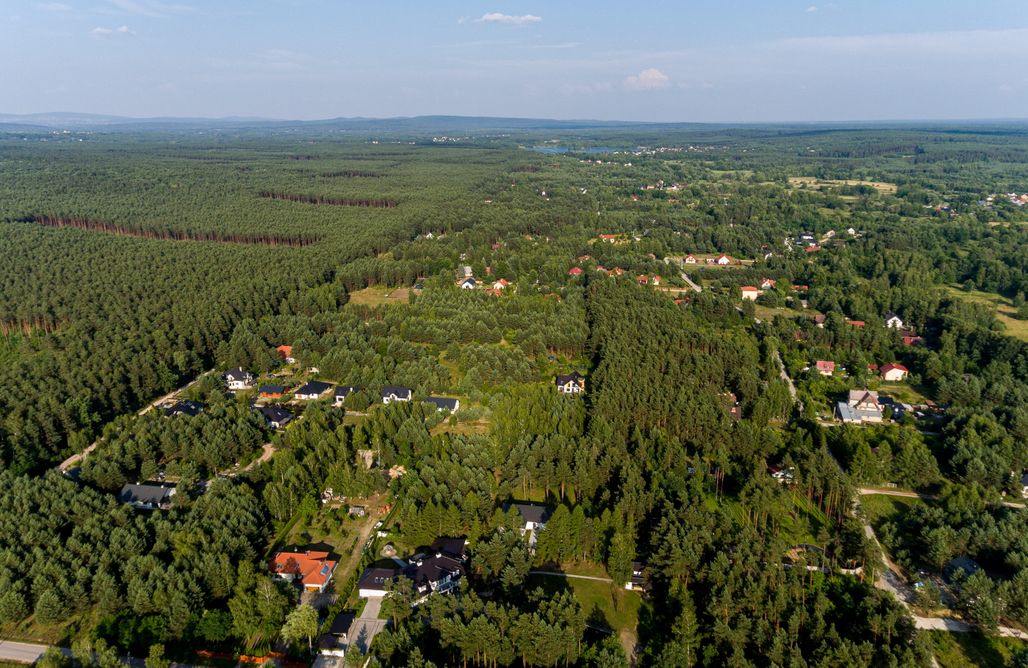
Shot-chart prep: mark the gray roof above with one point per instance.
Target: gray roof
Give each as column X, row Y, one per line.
column 314, row 387
column 145, row 494
column 530, row 512
column 376, row 578
column 397, row 390
column 275, row 414
column 343, row 391
column 443, row 403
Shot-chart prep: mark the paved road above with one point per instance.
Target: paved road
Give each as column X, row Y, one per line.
column 694, row 286
column 907, row 494
column 21, row 652
column 367, row 626
column 788, row 381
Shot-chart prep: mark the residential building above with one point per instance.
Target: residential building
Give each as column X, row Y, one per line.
column 768, row 284
column 183, row 407
column 893, row 321
column 312, row 390
column 749, row 292
column 373, row 582
column 276, row 416
column 287, row 354
column 312, row 568
column 825, row 367
column 575, row 271
column 337, row 638
column 342, row 392
column 468, row 284
column 723, row 260
column 238, row 379
column 500, row 284
column 690, row 259
column 572, row 383
column 147, row 497
column 861, row 406
column 271, row 391
column 391, row 393
column 893, row 372
column 444, row 404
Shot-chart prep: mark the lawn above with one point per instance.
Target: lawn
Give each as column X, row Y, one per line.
column 957, row 650
column 379, row 295
column 1005, row 311
column 604, row 603
column 879, row 508
column 903, row 392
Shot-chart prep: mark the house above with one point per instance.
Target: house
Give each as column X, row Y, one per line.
column 723, row 260
column 468, row 283
column 825, row 367
column 861, row 406
column 893, row 321
column 1024, row 485
column 338, row 635
column 656, row 280
column 287, row 354
column 466, row 269
column 444, row 404
column 356, row 511
column 573, row 383
column 690, row 259
column 812, row 248
column 912, row 340
column 575, row 271
column 820, row 319
column 768, row 284
column 533, row 517
column 965, row 564
column 893, row 372
column 638, row 581
column 312, row 390
column 373, row 582
column 584, row 258
column 183, row 407
column 271, row 391
column 276, row 416
column 391, row 393
column 782, row 475
column 238, row 379
column 500, row 284
column 749, row 292
column 851, row 231
column 147, row 497
column 859, row 324
column 440, row 570
column 343, row 391
column 617, row 271
column 800, row 288
column 643, row 279
column 312, row 568
column 609, row 238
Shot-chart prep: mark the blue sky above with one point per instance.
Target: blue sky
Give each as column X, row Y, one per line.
column 684, row 60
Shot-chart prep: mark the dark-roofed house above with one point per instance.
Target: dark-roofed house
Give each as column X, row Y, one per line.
column 343, row 391
column 391, row 393
column 238, row 379
column 147, row 497
column 338, row 635
column 893, row 321
column 372, row 583
column 436, row 573
column 276, row 416
column 312, row 390
column 573, row 383
column 533, row 517
column 271, row 391
column 444, row 403
column 184, row 407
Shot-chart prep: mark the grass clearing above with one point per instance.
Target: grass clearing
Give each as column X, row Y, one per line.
column 380, row 295
column 958, row 650
column 605, row 604
column 880, row 508
column 903, row 392
column 1005, row 311
column 819, row 184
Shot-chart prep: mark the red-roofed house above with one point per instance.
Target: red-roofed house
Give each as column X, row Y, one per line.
column 723, row 260
column 314, row 569
column 800, row 288
column 287, row 353
column 859, row 324
column 643, row 279
column 575, row 271
column 825, row 367
column 812, row 248
column 690, row 259
column 912, row 340
column 617, row 271
column 609, row 238
column 894, row 372
column 767, row 284
column 656, row 280
column 501, row 284
column 749, row 292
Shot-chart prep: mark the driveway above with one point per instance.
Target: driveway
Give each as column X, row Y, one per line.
column 367, row 626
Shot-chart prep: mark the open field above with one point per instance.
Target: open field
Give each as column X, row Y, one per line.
column 959, row 650
column 379, row 295
column 1005, row 311
column 814, row 182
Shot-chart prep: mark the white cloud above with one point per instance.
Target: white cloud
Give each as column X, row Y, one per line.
column 507, row 19
column 649, row 79
column 52, row 6
column 111, row 32
column 811, row 9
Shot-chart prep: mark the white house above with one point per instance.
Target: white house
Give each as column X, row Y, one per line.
column 573, row 383
column 749, row 292
column 861, row 406
column 894, row 373
column 893, row 321
column 689, row 259
column 723, row 260
column 468, row 284
column 238, row 379
column 391, row 393
column 312, row 391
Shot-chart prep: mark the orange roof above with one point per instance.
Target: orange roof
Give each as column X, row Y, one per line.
column 749, row 288
column 893, row 366
column 575, row 271
column 314, row 568
column 287, row 351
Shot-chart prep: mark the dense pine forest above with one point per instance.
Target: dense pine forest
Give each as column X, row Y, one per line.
column 700, row 397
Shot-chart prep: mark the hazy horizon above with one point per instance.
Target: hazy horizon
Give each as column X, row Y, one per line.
column 754, row 62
